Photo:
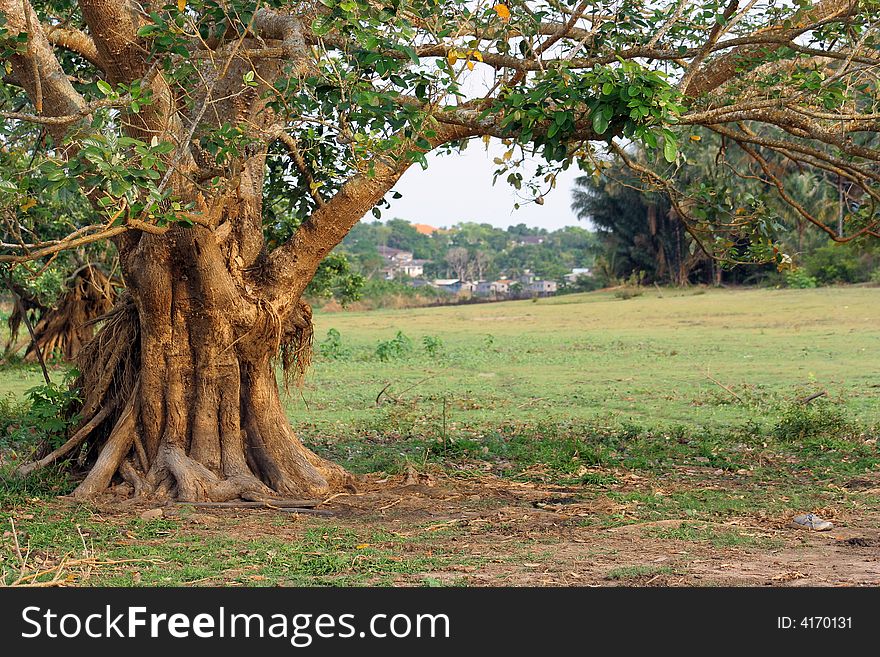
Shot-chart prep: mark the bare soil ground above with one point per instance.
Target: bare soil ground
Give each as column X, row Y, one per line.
column 501, row 533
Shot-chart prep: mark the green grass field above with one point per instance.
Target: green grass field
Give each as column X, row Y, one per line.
column 673, row 406
column 648, row 360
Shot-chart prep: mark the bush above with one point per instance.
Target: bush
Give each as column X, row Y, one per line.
column 837, row 263
column 331, row 347
column 628, row 292
column 799, row 279
column 51, row 411
column 816, row 420
column 398, row 347
column 433, row 346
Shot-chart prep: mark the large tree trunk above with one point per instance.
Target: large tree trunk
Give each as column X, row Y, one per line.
column 187, row 364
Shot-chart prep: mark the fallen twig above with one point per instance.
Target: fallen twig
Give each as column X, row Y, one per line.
column 809, row 398
column 718, row 383
column 63, row 571
column 388, row 506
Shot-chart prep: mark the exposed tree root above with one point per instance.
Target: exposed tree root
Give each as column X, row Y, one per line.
column 202, row 425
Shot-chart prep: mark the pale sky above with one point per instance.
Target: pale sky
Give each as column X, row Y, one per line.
column 458, row 187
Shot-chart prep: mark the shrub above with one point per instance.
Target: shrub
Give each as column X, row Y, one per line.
column 818, row 419
column 332, row 348
column 799, row 279
column 433, row 346
column 628, row 292
column 51, row 411
column 398, row 347
column 836, row 263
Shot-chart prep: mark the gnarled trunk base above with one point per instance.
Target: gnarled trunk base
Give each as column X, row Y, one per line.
column 205, row 427
column 187, row 363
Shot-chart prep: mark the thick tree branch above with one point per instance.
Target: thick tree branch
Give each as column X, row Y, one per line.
column 719, row 71
column 113, row 25
column 75, row 41
column 38, row 70
column 294, row 264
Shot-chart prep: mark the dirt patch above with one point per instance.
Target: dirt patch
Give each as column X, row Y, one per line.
column 505, row 533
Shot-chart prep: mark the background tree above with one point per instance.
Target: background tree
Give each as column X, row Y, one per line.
column 459, row 260
column 639, row 230
column 183, row 125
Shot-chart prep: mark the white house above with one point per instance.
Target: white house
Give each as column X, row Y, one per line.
column 492, row 288
column 400, row 262
column 543, row 288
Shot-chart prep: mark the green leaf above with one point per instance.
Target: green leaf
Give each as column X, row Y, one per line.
column 670, row 150
column 601, row 119
column 105, row 87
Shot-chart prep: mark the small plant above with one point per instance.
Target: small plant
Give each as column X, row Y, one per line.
column 399, row 346
column 51, row 411
column 331, row 347
column 800, row 279
column 433, row 346
column 628, row 293
column 632, row 286
column 818, row 419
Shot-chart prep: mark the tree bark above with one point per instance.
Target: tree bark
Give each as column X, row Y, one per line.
column 189, row 363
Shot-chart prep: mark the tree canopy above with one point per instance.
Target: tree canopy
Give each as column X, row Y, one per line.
column 144, row 109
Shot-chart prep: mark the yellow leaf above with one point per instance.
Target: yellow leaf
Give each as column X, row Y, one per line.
column 695, row 137
column 362, row 546
column 470, row 66
column 452, row 57
column 476, row 54
column 181, row 5
column 503, row 12
column 487, row 139
column 27, row 204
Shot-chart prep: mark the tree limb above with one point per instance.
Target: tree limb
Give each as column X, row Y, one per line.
column 722, row 69
column 75, row 41
column 294, row 263
column 49, row 89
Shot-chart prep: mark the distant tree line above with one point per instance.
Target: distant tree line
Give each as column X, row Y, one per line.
column 640, row 237
column 474, row 251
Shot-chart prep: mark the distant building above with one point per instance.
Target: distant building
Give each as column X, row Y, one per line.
column 413, row 268
column 425, row 229
column 399, row 262
column 530, row 240
column 492, row 288
column 394, row 255
column 451, row 285
column 543, row 288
